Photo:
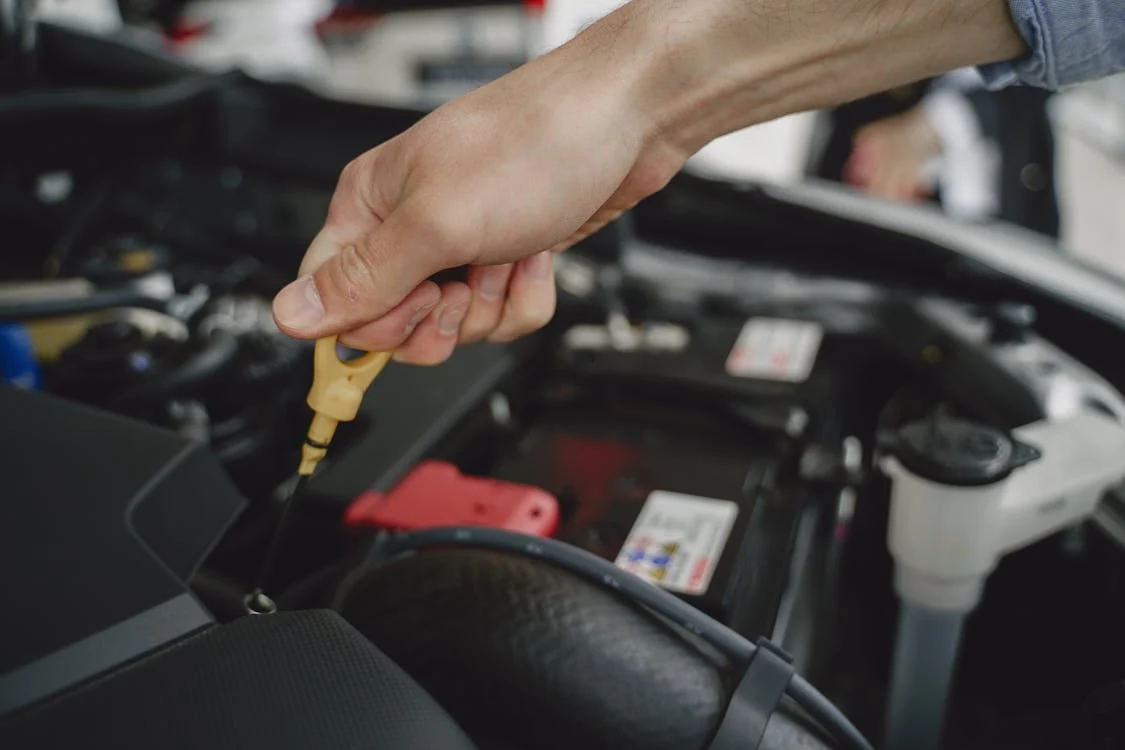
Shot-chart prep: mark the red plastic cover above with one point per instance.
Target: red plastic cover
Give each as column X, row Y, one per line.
column 436, row 493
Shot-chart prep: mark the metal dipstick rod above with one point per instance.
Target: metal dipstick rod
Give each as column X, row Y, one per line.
column 335, row 396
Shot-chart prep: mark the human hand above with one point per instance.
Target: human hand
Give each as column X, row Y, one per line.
column 546, row 155
column 498, row 180
column 889, row 157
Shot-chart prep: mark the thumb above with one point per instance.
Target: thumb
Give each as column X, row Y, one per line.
column 349, row 281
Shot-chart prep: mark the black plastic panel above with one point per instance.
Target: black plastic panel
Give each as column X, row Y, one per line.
column 103, row 519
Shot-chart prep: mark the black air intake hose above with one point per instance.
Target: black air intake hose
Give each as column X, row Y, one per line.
column 530, row 656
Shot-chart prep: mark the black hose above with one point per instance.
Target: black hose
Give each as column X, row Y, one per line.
column 220, row 353
column 134, row 104
column 11, row 312
column 599, row 571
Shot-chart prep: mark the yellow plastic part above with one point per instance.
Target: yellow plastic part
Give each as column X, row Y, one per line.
column 336, row 394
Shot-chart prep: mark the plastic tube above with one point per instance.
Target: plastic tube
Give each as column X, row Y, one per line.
column 924, row 663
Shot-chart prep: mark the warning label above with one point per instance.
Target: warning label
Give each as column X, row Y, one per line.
column 677, row 541
column 775, row 349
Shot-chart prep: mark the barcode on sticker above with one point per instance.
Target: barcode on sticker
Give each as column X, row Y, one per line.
column 775, row 349
column 677, row 541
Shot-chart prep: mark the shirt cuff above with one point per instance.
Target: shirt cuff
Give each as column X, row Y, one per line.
column 1035, row 69
column 1069, row 41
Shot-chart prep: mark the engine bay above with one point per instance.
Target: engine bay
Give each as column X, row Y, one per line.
column 708, row 411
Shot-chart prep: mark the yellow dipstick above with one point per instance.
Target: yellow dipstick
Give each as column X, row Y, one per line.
column 335, row 397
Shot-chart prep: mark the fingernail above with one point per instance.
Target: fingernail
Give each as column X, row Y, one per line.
column 298, row 306
column 420, row 315
column 449, row 322
column 538, row 266
column 491, row 282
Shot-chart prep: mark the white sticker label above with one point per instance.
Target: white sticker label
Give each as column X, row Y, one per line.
column 776, row 349
column 677, row 541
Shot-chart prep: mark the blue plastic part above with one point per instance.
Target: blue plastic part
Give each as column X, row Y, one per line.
column 18, row 365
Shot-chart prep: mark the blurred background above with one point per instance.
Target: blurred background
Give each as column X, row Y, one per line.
column 1053, row 163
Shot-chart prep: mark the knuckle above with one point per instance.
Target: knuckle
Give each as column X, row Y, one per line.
column 349, row 175
column 351, row 180
column 348, row 186
column 356, row 266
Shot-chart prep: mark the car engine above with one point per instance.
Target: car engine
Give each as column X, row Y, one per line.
column 775, row 406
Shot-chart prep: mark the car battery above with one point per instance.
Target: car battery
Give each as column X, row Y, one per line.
column 683, row 467
column 691, row 512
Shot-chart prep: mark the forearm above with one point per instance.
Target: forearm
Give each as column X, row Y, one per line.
column 699, row 69
column 544, row 156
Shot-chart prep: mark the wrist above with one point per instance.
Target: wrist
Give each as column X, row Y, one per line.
column 698, row 70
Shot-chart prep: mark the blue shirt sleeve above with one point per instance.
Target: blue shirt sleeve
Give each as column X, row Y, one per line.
column 1070, row 41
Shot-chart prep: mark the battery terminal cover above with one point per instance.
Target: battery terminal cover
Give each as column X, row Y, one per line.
column 436, row 494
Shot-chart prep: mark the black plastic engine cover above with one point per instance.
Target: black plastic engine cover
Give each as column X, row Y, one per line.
column 102, row 521
column 290, row 681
